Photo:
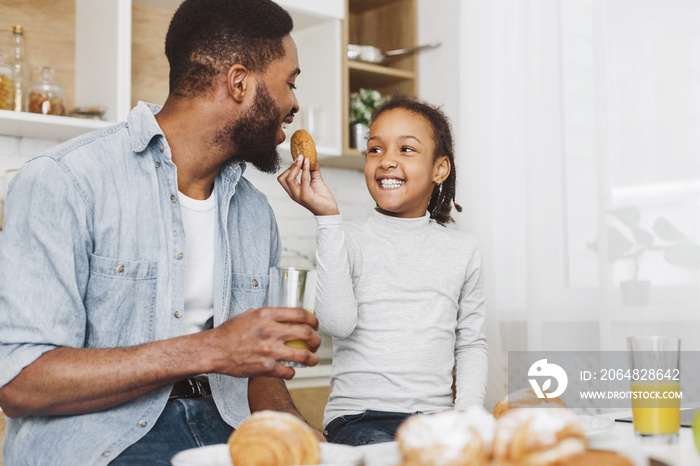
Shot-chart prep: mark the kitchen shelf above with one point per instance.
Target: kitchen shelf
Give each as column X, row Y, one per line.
column 377, row 71
column 377, row 75
column 361, row 6
column 385, row 80
column 35, row 125
column 387, row 25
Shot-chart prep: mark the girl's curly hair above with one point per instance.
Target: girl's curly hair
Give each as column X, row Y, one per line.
column 443, row 197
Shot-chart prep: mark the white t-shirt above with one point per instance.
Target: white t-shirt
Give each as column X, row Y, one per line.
column 199, row 218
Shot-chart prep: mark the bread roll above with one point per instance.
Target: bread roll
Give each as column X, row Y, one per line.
column 270, row 438
column 448, row 438
column 525, row 398
column 303, row 144
column 596, row 458
column 538, row 437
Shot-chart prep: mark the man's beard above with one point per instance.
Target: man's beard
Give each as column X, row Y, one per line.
column 253, row 136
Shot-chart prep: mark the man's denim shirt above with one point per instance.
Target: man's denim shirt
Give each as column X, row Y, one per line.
column 91, row 257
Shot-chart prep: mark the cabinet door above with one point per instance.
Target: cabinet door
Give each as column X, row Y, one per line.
column 319, row 86
column 103, row 55
column 317, row 33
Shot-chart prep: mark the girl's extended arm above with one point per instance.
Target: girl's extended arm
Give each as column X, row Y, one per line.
column 309, row 190
column 335, row 307
column 472, row 359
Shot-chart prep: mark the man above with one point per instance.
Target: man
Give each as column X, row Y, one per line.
column 135, row 260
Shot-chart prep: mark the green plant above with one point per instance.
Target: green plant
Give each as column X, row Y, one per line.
column 362, row 104
column 637, row 243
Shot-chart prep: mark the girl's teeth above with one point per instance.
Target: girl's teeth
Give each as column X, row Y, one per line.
column 391, row 183
column 284, row 125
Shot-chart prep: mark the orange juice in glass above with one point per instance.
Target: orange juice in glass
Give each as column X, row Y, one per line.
column 299, row 343
column 656, row 407
column 292, row 287
column 656, row 388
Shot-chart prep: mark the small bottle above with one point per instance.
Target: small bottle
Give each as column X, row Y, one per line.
column 20, row 69
column 7, row 86
column 45, row 94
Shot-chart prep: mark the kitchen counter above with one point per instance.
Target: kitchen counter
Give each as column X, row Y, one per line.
column 317, row 376
column 683, row 453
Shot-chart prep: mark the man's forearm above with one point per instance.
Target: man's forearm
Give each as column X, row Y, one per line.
column 73, row 381
column 270, row 393
column 78, row 380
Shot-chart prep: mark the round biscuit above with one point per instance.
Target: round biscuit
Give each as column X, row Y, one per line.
column 303, row 144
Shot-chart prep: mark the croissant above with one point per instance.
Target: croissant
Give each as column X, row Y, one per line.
column 448, row 438
column 525, row 398
column 538, row 437
column 270, row 438
column 595, row 458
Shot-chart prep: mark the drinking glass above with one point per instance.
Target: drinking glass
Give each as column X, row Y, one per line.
column 292, row 287
column 656, row 387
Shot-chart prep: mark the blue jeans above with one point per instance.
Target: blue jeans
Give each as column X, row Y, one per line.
column 365, row 428
column 185, row 423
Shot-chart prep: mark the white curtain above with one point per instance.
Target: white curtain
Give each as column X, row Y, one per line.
column 580, row 170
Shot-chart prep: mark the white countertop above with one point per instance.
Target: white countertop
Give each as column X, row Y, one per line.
column 683, row 453
column 316, row 376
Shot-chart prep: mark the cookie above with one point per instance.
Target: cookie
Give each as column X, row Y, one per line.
column 302, row 144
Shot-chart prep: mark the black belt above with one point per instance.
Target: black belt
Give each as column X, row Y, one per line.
column 190, row 388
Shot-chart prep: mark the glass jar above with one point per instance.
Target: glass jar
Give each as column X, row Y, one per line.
column 45, row 94
column 20, row 69
column 7, row 86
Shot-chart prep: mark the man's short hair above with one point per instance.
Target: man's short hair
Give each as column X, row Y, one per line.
column 206, row 37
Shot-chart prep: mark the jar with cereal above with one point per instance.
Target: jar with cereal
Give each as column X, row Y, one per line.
column 7, row 86
column 45, row 94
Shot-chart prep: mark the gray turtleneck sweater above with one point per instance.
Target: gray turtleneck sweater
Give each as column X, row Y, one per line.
column 403, row 300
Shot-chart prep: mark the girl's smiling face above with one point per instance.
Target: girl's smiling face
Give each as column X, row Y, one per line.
column 401, row 169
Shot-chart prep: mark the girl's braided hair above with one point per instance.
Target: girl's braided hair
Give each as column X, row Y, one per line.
column 443, row 196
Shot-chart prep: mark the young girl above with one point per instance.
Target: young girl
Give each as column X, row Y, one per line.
column 400, row 294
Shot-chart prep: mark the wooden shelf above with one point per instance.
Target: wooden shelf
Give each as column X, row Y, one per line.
column 382, row 78
column 379, row 71
column 361, row 6
column 34, row 125
column 388, row 25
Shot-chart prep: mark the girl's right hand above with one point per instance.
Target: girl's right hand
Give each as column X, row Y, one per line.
column 309, row 190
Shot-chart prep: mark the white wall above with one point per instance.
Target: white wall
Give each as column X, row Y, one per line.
column 439, row 72
column 297, row 225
